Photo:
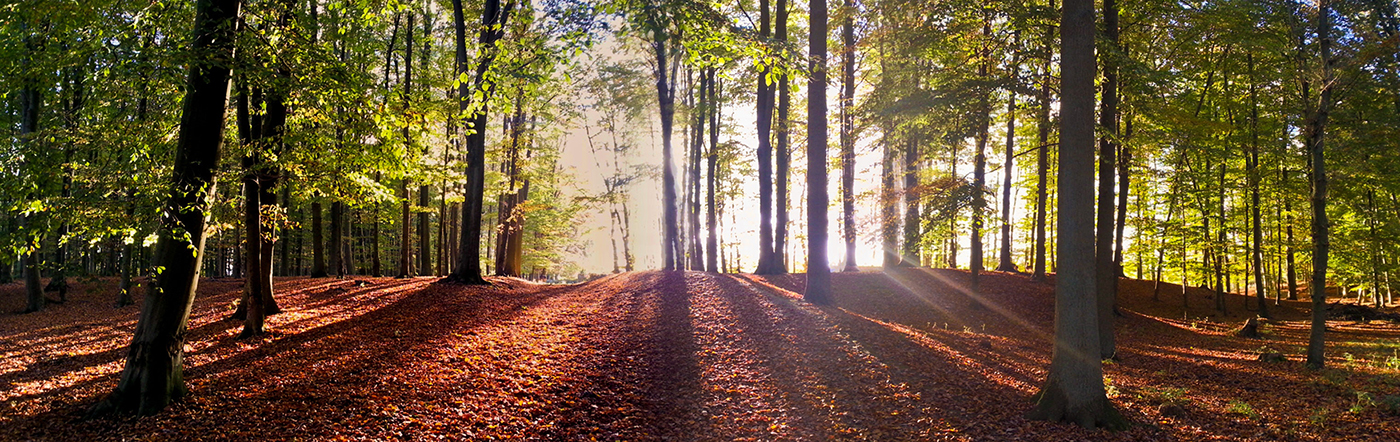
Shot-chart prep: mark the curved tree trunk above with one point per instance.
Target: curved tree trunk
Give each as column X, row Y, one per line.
column 154, row 372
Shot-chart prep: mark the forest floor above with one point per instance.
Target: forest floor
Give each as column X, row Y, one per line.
column 904, row 355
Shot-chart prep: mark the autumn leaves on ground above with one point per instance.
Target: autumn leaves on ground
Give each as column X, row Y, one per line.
column 903, row 355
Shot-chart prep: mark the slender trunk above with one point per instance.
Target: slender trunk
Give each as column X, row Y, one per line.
column 1042, row 167
column 425, row 263
column 1255, row 254
column 318, row 256
column 1314, row 135
column 912, row 232
column 979, row 168
column 697, row 247
column 1004, row 260
column 405, row 239
column 818, row 273
column 712, row 158
column 666, row 100
column 1288, row 245
column 284, row 260
column 1108, row 119
column 782, row 152
column 848, row 141
column 764, row 108
column 337, row 241
column 252, row 305
column 889, row 200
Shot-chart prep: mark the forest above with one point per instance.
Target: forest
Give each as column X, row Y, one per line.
column 699, row 220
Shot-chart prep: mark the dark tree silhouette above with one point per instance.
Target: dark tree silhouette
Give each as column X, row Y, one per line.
column 154, row 373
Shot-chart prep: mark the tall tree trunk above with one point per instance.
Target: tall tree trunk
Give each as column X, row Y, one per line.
column 318, row 256
column 697, row 247
column 154, row 372
column 494, row 17
column 1255, row 253
column 30, row 100
column 406, row 269
column 284, row 261
column 1042, row 168
column 712, row 167
column 783, row 153
column 1288, row 244
column 818, row 273
column 889, row 200
column 764, row 111
column 1004, row 260
column 1314, row 136
column 979, row 166
column 1074, row 389
column 1107, row 284
column 425, row 263
column 848, row 141
column 1004, row 263
column 335, row 247
column 911, row 201
column 251, row 306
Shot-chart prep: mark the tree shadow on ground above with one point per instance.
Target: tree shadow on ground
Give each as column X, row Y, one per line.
column 346, row 355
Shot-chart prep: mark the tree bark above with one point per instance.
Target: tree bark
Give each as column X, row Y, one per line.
column 1107, row 280
column 782, row 157
column 1074, row 389
column 979, row 167
column 494, row 17
column 818, row 289
column 712, row 166
column 764, row 123
column 406, row 269
column 1314, row 135
column 154, row 372
column 1042, row 168
column 848, row 142
column 911, row 202
column 1255, row 252
column 1005, row 263
column 337, row 241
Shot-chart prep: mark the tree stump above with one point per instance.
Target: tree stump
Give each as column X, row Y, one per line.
column 1250, row 329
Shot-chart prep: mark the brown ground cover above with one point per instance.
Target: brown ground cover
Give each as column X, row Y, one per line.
column 905, row 355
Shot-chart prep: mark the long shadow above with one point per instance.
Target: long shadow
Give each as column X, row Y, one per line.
column 672, row 387
column 57, row 367
column 789, row 356
column 945, row 370
column 343, row 356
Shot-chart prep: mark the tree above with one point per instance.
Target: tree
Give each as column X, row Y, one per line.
column 848, row 142
column 818, row 273
column 767, row 256
column 1074, row 389
column 1107, row 274
column 783, row 158
column 494, row 17
column 1314, row 138
column 154, row 372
